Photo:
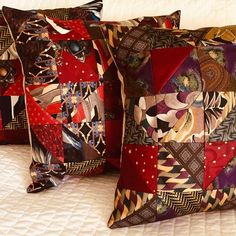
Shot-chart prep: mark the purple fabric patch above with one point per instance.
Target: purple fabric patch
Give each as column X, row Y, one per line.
column 227, row 177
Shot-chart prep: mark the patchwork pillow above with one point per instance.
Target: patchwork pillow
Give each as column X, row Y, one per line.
column 72, row 95
column 179, row 145
column 13, row 122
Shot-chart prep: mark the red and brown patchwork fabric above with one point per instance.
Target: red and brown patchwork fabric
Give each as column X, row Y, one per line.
column 179, row 145
column 13, row 121
column 72, row 95
column 64, row 91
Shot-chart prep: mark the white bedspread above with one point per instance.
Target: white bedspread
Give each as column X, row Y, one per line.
column 81, row 206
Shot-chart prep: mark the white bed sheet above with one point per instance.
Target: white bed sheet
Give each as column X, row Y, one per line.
column 81, row 206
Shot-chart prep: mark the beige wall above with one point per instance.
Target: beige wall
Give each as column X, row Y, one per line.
column 195, row 13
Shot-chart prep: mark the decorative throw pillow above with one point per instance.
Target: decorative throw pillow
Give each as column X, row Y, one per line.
column 72, row 95
column 179, row 146
column 13, row 122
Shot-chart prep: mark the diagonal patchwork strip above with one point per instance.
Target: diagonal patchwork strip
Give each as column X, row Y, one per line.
column 128, row 202
column 191, row 156
column 18, row 122
column 226, row 131
column 172, row 175
column 5, row 39
column 227, row 176
column 218, row 199
column 145, row 214
column 81, row 168
column 183, row 203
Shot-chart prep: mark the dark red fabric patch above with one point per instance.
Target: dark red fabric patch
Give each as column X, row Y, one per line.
column 53, row 108
column 79, row 116
column 52, row 141
column 76, row 27
column 1, row 126
column 139, row 168
column 75, row 71
column 217, row 156
column 104, row 56
column 16, row 88
column 165, row 62
column 36, row 114
column 19, row 136
column 113, row 145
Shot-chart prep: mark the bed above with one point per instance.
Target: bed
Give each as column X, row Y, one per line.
column 76, row 208
column 82, row 206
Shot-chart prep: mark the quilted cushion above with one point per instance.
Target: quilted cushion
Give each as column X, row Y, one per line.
column 13, row 121
column 179, row 143
column 72, row 95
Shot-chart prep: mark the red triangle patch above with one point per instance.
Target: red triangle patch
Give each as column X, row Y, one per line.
column 36, row 114
column 53, row 141
column 217, row 156
column 16, row 88
column 165, row 62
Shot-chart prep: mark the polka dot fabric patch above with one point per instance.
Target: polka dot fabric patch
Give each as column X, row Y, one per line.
column 36, row 115
column 217, row 156
column 81, row 72
column 143, row 162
